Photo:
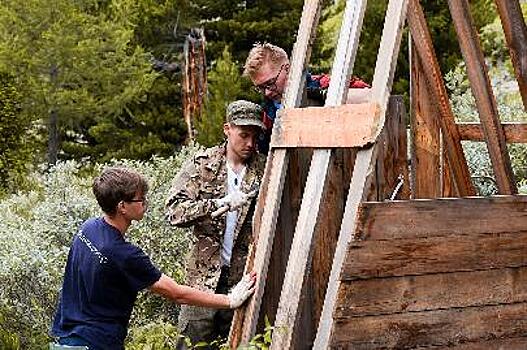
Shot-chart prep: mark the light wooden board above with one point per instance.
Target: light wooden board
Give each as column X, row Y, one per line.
column 365, row 161
column 328, row 127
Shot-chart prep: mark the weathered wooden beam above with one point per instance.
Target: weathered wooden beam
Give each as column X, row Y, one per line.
column 392, row 175
column 515, row 30
column 440, row 328
column 310, row 223
column 421, row 256
column 425, row 135
column 245, row 321
column 482, row 91
column 441, row 217
column 436, row 88
column 364, row 162
column 327, row 127
column 515, row 132
column 384, row 296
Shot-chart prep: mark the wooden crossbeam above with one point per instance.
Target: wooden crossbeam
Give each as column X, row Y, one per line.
column 309, row 221
column 436, row 88
column 516, row 35
column 515, row 132
column 328, row 127
column 482, row 91
column 365, row 161
column 245, row 320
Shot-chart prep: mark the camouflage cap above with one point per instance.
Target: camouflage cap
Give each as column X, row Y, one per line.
column 243, row 112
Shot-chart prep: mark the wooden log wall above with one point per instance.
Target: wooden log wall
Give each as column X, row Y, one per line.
column 445, row 273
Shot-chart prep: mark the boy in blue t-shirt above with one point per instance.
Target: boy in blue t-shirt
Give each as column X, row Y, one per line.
column 104, row 272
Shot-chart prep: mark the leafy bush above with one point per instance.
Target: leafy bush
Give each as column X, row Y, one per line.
column 36, row 228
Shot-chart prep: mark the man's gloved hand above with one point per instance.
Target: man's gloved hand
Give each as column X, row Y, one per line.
column 234, row 200
column 242, row 290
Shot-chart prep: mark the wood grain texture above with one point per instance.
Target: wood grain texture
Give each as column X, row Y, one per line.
column 440, row 328
column 365, row 160
column 383, row 296
column 327, row 127
column 425, row 135
column 419, row 256
column 485, row 101
column 437, row 90
column 441, row 217
column 515, row 132
column 515, row 31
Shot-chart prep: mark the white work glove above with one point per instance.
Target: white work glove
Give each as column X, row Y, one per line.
column 234, row 200
column 242, row 290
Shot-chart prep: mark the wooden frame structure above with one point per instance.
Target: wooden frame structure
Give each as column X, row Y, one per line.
column 341, row 267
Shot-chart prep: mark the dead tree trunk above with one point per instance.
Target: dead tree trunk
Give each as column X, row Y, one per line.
column 194, row 79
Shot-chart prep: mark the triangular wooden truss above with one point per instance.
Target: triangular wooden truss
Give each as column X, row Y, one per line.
column 320, row 172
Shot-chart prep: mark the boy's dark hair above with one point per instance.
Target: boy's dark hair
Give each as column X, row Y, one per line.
column 117, row 184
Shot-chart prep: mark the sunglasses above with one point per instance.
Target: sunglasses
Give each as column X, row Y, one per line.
column 269, row 84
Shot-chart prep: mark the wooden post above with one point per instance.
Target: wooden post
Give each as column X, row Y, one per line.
column 364, row 162
column 482, row 91
column 267, row 210
column 194, row 79
column 437, row 91
column 425, row 135
column 516, row 35
column 311, row 224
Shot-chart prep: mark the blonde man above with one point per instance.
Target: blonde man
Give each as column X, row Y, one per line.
column 267, row 66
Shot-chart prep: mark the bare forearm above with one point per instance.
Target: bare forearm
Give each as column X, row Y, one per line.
column 180, row 294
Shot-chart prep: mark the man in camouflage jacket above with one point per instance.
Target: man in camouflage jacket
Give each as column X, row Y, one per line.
column 197, row 192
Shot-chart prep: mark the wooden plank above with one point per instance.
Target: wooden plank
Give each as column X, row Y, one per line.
column 485, row 101
column 515, row 132
column 394, row 163
column 327, row 127
column 516, row 35
column 309, row 223
column 298, row 167
column 420, row 256
column 365, row 161
column 382, row 296
column 425, row 135
column 441, row 217
column 431, row 328
column 495, row 344
column 264, row 242
column 436, row 88
column 243, row 328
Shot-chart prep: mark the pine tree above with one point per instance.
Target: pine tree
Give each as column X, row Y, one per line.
column 77, row 65
column 16, row 136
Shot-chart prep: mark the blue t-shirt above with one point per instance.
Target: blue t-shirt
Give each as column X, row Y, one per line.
column 103, row 275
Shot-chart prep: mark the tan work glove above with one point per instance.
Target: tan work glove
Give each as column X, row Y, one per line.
column 242, row 290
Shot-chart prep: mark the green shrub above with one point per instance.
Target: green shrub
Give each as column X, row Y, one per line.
column 36, row 228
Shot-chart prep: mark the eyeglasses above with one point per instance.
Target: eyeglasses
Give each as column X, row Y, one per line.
column 143, row 201
column 269, row 84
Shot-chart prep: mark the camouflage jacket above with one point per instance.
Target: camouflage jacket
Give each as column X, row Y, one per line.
column 201, row 179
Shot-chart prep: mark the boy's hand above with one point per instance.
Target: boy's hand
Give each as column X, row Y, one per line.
column 242, row 290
